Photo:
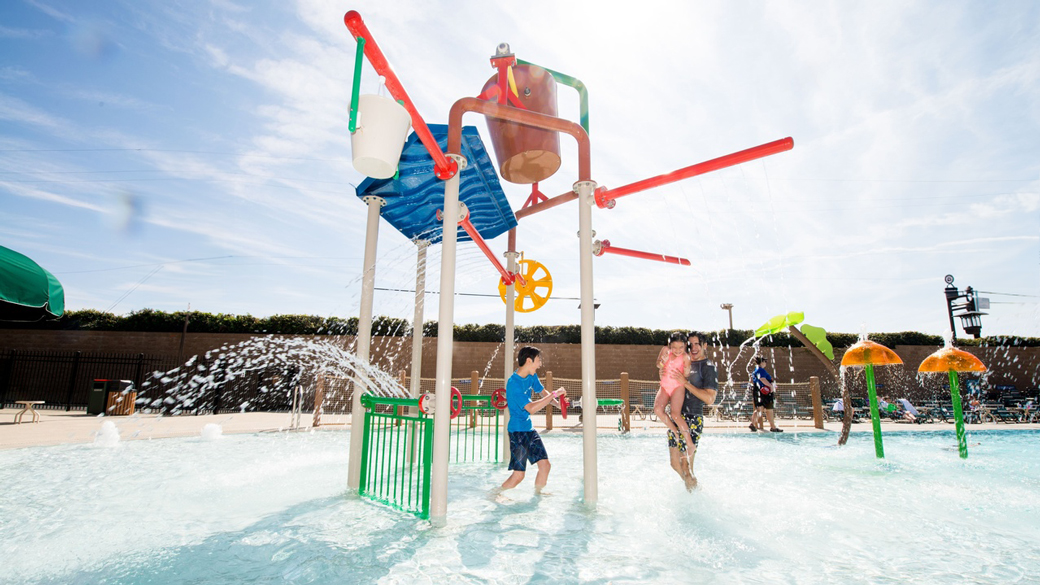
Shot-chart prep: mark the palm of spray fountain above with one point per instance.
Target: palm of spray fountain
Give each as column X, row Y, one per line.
column 815, row 340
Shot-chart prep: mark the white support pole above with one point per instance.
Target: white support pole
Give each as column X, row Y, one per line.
column 445, row 331
column 417, row 318
column 364, row 340
column 415, row 382
column 585, row 190
column 507, row 350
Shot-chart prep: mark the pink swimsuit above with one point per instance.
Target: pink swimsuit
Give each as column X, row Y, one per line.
column 672, row 364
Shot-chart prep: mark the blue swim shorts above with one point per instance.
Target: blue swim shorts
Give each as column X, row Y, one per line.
column 525, row 447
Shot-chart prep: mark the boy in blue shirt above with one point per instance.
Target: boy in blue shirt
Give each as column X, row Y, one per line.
column 765, row 395
column 525, row 445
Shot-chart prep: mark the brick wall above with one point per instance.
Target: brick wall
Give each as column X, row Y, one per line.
column 1019, row 366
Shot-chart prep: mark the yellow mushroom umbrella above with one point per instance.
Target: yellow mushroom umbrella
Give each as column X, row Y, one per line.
column 867, row 354
column 951, row 360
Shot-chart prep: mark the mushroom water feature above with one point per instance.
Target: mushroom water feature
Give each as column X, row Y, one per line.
column 951, row 360
column 866, row 354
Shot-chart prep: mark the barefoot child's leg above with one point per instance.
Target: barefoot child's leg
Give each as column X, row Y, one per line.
column 677, row 401
column 659, row 403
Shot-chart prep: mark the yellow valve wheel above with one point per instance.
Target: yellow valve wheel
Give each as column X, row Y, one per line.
column 534, row 291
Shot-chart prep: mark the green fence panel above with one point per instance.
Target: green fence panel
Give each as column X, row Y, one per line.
column 397, row 449
column 396, row 455
column 476, row 434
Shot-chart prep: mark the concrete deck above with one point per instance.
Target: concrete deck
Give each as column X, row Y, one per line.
column 59, row 427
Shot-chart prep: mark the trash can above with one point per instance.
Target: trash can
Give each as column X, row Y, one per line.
column 98, row 396
column 121, row 398
column 111, row 397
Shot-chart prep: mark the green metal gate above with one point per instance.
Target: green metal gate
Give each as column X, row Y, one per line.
column 397, row 447
column 475, row 432
column 396, row 453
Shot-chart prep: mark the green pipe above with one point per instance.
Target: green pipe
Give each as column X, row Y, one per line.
column 365, row 459
column 356, row 90
column 875, row 418
column 426, row 467
column 395, row 460
column 565, row 79
column 370, row 400
column 958, row 415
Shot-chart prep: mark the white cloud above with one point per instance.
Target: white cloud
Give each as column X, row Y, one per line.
column 21, row 33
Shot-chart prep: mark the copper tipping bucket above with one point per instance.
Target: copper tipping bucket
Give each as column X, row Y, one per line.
column 526, row 154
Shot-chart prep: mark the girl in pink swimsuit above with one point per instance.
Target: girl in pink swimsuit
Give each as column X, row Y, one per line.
column 671, row 360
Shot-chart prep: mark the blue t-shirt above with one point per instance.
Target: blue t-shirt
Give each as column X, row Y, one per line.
column 758, row 375
column 518, row 395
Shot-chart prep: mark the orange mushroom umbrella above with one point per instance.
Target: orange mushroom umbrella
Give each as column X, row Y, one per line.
column 866, row 354
column 951, row 360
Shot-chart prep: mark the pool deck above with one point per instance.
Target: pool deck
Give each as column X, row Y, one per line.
column 59, row 427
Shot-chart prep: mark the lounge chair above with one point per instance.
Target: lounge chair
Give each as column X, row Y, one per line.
column 1003, row 414
column 918, row 415
column 645, row 407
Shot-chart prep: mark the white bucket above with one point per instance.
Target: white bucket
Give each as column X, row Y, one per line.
column 382, row 128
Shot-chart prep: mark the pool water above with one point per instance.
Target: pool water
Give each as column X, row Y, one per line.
column 272, row 508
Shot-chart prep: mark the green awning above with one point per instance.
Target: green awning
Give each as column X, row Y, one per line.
column 27, row 291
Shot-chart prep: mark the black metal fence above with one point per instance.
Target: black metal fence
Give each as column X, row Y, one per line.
column 63, row 379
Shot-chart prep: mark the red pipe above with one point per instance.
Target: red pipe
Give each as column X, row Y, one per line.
column 525, row 117
column 606, row 248
column 605, row 197
column 444, row 167
column 479, row 241
column 548, row 203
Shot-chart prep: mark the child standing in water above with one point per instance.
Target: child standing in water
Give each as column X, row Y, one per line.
column 671, row 360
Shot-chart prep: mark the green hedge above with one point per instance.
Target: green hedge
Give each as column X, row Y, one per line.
column 159, row 321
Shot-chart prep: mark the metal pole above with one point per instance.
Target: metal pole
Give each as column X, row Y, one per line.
column 184, row 334
column 585, row 190
column 445, row 330
column 729, row 309
column 417, row 318
column 364, row 340
column 72, row 382
column 508, row 347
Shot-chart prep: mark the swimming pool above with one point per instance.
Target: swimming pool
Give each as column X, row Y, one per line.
column 271, row 508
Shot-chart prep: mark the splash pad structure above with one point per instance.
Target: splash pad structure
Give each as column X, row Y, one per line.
column 525, row 131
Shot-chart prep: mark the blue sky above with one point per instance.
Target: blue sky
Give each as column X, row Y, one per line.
column 165, row 154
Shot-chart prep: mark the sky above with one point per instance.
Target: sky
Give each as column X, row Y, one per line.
column 197, row 153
